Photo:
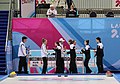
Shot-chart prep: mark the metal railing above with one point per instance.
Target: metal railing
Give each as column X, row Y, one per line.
column 83, row 12
column 9, row 23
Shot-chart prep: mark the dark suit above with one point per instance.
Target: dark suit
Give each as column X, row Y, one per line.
column 87, row 58
column 99, row 59
column 73, row 66
column 58, row 61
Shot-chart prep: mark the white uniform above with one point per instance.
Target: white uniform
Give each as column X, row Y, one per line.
column 62, row 50
column 87, row 47
column 59, row 47
column 44, row 52
column 22, row 50
column 50, row 12
column 72, row 46
column 100, row 45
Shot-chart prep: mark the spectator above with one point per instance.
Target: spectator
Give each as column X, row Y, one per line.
column 69, row 3
column 51, row 12
column 43, row 2
column 72, row 12
column 72, row 9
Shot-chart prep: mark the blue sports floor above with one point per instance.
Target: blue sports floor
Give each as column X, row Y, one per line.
column 2, row 77
column 117, row 77
column 54, row 79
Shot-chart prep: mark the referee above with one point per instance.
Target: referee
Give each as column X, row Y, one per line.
column 22, row 55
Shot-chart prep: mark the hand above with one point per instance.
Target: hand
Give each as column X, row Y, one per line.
column 95, row 50
column 78, row 53
column 95, row 55
column 53, row 48
column 81, row 52
column 65, row 48
column 27, row 56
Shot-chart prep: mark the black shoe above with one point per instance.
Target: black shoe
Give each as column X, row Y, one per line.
column 19, row 72
column 26, row 72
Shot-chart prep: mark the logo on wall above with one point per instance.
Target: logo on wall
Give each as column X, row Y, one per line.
column 115, row 30
column 117, row 3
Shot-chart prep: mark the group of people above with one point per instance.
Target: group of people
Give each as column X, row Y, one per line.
column 52, row 12
column 99, row 53
column 60, row 52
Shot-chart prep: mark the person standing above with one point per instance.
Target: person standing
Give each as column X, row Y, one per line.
column 51, row 12
column 44, row 54
column 86, row 51
column 61, row 41
column 58, row 57
column 72, row 52
column 22, row 55
column 73, row 66
column 99, row 55
column 69, row 3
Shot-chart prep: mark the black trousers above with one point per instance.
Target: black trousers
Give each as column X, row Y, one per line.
column 44, row 65
column 62, row 65
column 100, row 63
column 22, row 63
column 88, row 70
column 69, row 3
column 73, row 66
column 58, row 65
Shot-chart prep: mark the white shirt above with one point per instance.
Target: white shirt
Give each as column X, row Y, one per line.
column 100, row 45
column 43, row 50
column 72, row 46
column 22, row 50
column 87, row 47
column 49, row 12
column 58, row 47
column 62, row 50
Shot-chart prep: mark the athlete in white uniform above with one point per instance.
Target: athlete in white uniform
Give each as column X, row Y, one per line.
column 22, row 55
column 44, row 54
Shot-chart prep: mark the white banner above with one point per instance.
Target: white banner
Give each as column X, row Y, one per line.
column 27, row 8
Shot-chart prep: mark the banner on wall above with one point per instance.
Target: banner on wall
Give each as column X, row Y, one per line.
column 78, row 29
column 27, row 8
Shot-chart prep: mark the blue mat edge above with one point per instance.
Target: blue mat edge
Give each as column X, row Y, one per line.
column 4, row 77
column 116, row 77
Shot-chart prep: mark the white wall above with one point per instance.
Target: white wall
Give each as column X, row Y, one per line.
column 93, row 3
column 4, row 6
